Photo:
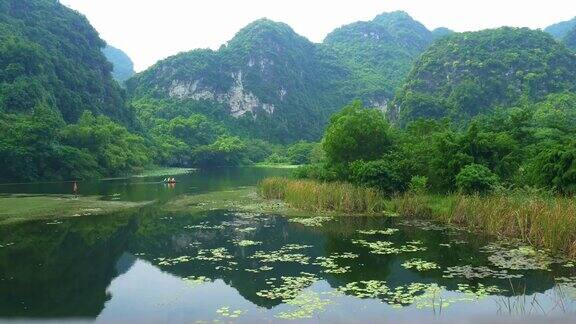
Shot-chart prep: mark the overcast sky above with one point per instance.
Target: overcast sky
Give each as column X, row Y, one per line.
column 149, row 30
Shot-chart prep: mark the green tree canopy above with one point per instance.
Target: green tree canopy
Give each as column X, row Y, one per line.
column 356, row 133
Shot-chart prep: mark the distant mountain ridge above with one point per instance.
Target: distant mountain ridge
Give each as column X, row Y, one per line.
column 274, row 84
column 561, row 29
column 123, row 67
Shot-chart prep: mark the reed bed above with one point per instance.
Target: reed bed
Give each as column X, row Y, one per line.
column 324, row 196
column 541, row 221
column 544, row 222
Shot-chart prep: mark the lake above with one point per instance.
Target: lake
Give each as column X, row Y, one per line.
column 154, row 264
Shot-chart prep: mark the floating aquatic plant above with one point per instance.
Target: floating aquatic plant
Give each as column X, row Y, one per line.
column 217, row 254
column 205, row 226
column 174, row 261
column 246, row 229
column 307, row 304
column 196, row 281
column 388, row 231
column 423, row 224
column 247, row 243
column 6, row 245
column 386, row 247
column 283, row 255
column 366, row 289
column 280, row 256
column 225, row 311
column 311, row 221
column 504, row 255
column 290, row 287
column 470, row 272
column 420, row 265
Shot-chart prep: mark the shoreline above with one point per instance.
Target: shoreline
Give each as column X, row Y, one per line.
column 541, row 222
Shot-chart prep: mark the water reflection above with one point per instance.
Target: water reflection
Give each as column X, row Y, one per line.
column 177, row 267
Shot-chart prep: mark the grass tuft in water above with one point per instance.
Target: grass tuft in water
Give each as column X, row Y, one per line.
column 316, row 196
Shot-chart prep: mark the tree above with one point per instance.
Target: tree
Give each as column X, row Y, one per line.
column 555, row 168
column 476, row 178
column 356, row 133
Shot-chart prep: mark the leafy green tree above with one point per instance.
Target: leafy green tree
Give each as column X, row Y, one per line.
column 299, row 153
column 555, row 168
column 116, row 149
column 356, row 133
column 225, row 151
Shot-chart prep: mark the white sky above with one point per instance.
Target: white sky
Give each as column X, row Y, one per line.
column 149, row 30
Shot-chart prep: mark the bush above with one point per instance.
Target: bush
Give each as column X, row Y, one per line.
column 418, row 185
column 380, row 174
column 476, row 178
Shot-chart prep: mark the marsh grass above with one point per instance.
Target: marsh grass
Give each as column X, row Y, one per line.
column 324, row 196
column 545, row 222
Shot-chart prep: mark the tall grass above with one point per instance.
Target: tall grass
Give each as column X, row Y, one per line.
column 319, row 196
column 541, row 221
column 546, row 222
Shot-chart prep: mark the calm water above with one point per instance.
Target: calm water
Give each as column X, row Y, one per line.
column 153, row 266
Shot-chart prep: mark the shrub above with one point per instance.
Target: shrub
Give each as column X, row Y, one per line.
column 418, row 185
column 380, row 174
column 476, row 178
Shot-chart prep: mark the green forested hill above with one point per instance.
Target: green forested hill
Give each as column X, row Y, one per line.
column 123, row 67
column 270, row 83
column 54, row 81
column 50, row 55
column 559, row 30
column 467, row 74
column 379, row 53
column 570, row 39
column 441, row 32
column 267, row 82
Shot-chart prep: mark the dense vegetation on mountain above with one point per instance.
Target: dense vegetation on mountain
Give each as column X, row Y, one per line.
column 559, row 30
column 63, row 116
column 570, row 39
column 531, row 144
column 466, row 74
column 379, row 53
column 267, row 82
column 51, row 72
column 270, row 83
column 123, row 67
column 441, row 32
